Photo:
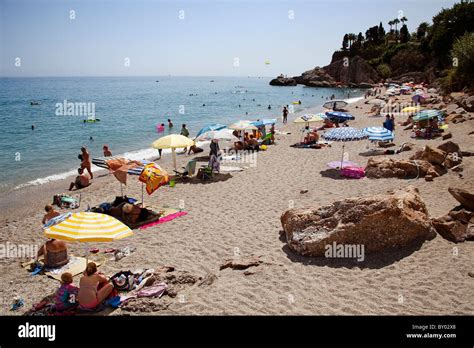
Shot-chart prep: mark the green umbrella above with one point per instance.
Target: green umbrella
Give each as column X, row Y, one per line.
column 427, row 114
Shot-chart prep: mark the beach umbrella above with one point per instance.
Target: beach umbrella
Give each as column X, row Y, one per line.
column 264, row 122
column 173, row 142
column 242, row 125
column 344, row 134
column 335, row 104
column 411, row 109
column 88, row 227
column 309, row 118
column 153, row 177
column 339, row 116
column 221, row 134
column 212, row 127
column 376, row 101
column 427, row 114
column 378, row 133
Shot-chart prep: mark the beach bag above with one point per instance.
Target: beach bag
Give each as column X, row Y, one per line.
column 123, row 281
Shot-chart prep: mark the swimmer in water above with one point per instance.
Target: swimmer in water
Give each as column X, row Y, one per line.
column 32, row 127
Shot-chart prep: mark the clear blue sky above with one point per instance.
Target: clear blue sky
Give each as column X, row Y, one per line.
column 212, row 33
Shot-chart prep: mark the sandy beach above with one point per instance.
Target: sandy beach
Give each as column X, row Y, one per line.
column 239, row 214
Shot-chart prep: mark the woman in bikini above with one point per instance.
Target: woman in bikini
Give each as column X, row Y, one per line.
column 94, row 288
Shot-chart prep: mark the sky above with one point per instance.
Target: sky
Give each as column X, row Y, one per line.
column 187, row 38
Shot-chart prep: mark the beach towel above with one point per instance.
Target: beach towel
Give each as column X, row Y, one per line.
column 75, row 266
column 353, row 172
column 155, row 290
column 168, row 214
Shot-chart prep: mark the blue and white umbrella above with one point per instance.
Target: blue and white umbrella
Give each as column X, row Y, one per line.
column 264, row 122
column 378, row 133
column 344, row 134
column 339, row 116
column 211, row 127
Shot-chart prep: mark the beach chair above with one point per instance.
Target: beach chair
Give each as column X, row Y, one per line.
column 205, row 173
column 188, row 171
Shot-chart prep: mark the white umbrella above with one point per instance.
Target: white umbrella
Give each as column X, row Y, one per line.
column 221, row 134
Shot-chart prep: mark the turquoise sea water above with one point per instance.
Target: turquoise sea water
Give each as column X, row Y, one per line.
column 129, row 108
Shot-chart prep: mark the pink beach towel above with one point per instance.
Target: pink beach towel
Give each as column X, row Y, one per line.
column 164, row 219
column 353, row 172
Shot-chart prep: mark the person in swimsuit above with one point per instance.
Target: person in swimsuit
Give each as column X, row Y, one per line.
column 81, row 180
column 50, row 213
column 55, row 253
column 86, row 162
column 94, row 288
column 107, row 152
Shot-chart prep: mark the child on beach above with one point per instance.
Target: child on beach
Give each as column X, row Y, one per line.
column 66, row 294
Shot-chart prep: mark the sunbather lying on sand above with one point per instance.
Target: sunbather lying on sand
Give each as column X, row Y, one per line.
column 94, row 288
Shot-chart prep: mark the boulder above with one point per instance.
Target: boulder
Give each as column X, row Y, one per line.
column 447, row 136
column 450, row 108
column 400, row 168
column 460, row 111
column 432, row 155
column 463, row 196
column 283, row 81
column 316, row 77
column 453, row 118
column 468, row 103
column 449, row 147
column 377, row 222
column 457, row 226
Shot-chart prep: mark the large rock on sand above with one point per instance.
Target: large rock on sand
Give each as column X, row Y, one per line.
column 399, row 168
column 457, row 226
column 463, row 196
column 432, row 155
column 377, row 222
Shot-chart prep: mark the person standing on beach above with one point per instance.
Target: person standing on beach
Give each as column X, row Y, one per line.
column 86, row 161
column 184, row 132
column 285, row 115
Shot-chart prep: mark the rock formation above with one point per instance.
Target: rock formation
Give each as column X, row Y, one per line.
column 377, row 222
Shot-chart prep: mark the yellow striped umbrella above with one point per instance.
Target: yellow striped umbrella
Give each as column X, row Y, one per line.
column 89, row 227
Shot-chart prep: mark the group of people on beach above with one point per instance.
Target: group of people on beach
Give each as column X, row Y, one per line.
column 93, row 288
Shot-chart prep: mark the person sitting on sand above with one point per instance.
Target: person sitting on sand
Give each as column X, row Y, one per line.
column 66, row 295
column 107, row 152
column 86, row 162
column 252, row 143
column 94, row 288
column 194, row 149
column 50, row 213
column 55, row 253
column 81, row 180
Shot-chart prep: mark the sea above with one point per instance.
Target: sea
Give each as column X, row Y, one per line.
column 129, row 110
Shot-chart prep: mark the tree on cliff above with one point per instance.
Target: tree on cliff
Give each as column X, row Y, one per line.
column 404, row 34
